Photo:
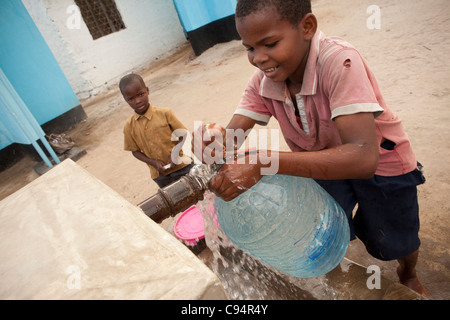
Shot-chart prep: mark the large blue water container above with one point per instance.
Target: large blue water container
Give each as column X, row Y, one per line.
column 289, row 223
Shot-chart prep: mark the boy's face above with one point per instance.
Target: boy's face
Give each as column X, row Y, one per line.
column 136, row 95
column 275, row 46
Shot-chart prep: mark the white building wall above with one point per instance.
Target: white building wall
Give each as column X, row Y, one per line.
column 153, row 30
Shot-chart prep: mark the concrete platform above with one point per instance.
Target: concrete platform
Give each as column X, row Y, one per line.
column 66, row 235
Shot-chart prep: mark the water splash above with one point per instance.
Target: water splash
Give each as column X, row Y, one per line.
column 243, row 276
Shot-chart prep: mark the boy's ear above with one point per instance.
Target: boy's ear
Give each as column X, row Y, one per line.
column 309, row 26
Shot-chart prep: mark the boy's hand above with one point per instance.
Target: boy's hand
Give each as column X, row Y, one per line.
column 157, row 164
column 207, row 140
column 169, row 165
column 160, row 166
column 234, row 179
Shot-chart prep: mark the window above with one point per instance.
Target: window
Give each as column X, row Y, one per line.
column 101, row 17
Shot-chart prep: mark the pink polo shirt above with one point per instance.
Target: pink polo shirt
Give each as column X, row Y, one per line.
column 337, row 82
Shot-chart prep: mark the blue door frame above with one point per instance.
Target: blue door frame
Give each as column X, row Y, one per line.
column 31, row 68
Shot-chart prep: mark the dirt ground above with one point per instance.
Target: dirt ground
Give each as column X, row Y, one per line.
column 409, row 57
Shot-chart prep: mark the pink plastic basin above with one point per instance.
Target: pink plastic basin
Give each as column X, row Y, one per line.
column 189, row 226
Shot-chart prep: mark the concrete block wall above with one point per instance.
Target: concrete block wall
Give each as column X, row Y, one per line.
column 153, row 31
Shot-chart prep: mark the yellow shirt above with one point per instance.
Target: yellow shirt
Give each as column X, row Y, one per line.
column 152, row 134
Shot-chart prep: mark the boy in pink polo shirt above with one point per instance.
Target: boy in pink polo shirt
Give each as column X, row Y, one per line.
column 335, row 121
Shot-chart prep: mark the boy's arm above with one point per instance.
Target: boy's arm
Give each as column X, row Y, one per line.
column 241, row 122
column 157, row 164
column 356, row 158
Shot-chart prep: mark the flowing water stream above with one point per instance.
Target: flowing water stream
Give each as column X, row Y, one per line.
column 247, row 278
column 243, row 276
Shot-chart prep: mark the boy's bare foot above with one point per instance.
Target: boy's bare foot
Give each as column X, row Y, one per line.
column 411, row 281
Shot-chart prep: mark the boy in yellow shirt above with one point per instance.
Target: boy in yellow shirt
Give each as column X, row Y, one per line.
column 152, row 133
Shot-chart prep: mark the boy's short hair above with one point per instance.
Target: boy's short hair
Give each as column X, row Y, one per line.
column 290, row 10
column 129, row 79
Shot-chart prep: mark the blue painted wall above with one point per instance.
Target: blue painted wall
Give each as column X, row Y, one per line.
column 197, row 13
column 31, row 67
